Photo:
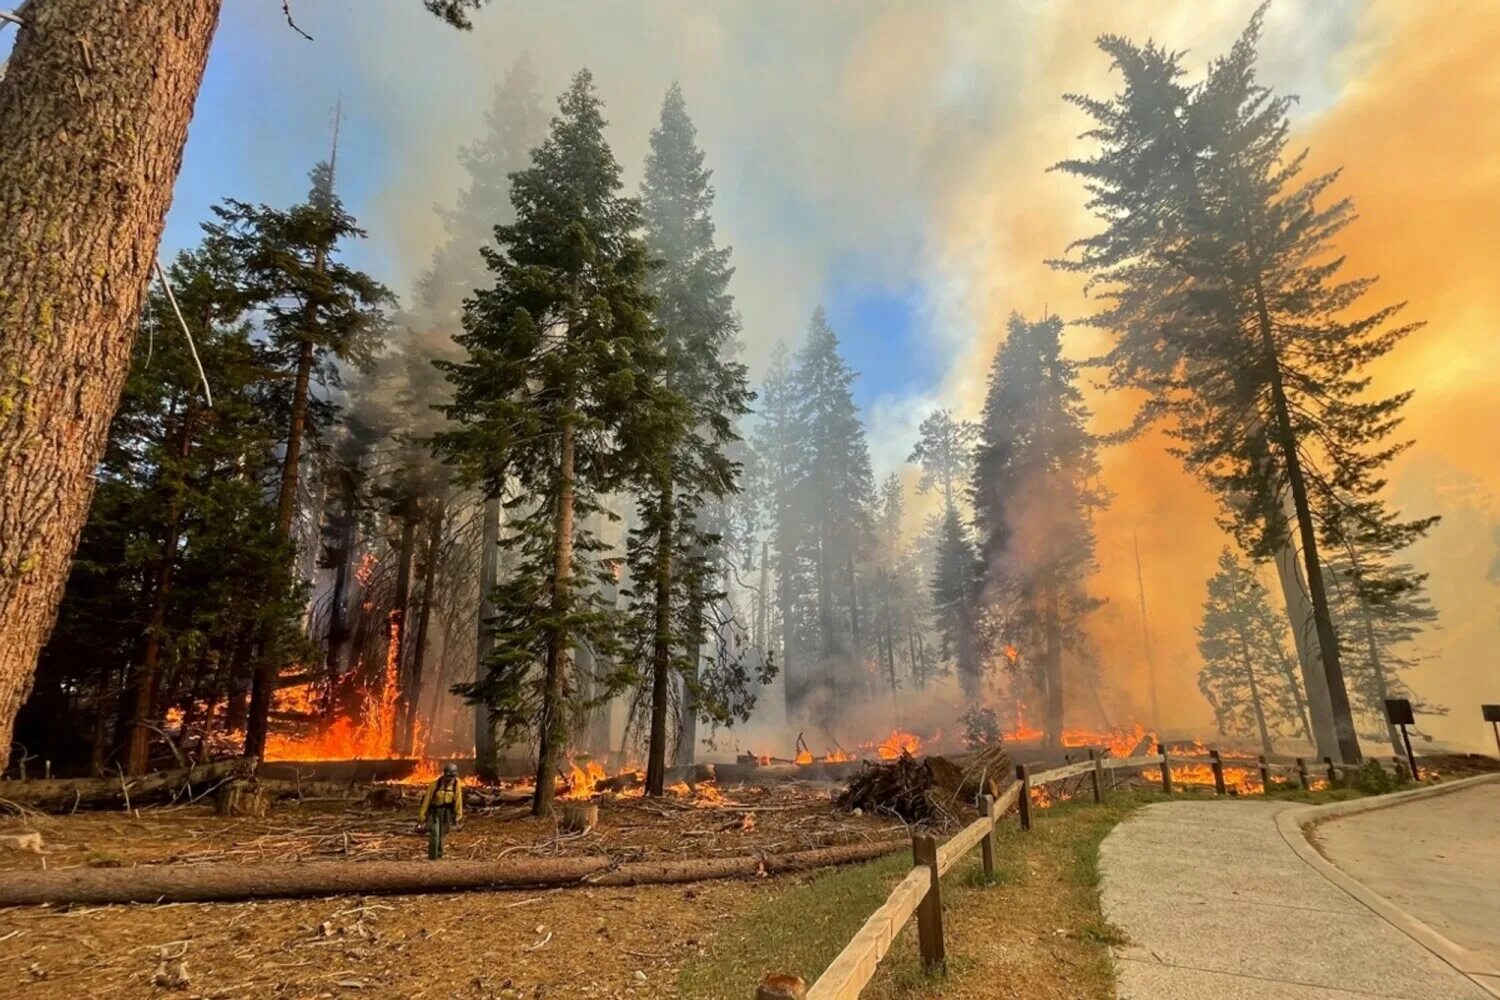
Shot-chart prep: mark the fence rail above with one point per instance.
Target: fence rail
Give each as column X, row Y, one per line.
column 920, row 892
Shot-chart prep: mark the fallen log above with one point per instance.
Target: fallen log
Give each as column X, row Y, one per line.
column 232, row 882
column 70, row 793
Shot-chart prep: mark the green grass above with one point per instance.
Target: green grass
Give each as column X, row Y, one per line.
column 1034, row 924
column 798, row 931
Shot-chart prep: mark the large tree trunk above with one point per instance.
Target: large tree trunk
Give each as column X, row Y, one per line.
column 1255, row 703
column 94, row 112
column 338, row 603
column 1319, row 731
column 411, row 691
column 1377, row 670
column 489, row 565
column 273, row 880
column 553, row 727
column 661, row 650
column 1287, row 443
column 146, row 677
column 687, row 726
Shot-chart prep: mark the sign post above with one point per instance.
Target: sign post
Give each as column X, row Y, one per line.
column 1398, row 712
column 1492, row 716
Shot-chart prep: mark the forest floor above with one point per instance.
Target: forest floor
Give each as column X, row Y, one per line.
column 583, row 942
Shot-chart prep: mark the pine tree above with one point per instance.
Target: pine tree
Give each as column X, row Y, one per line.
column 1380, row 605
column 560, row 393
column 956, row 583
column 180, row 548
column 1035, row 491
column 122, row 157
column 1229, row 308
column 836, row 493
column 672, row 555
column 781, row 444
column 1241, row 642
column 318, row 312
column 945, row 451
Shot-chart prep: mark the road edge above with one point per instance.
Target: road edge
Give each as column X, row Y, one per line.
column 1293, row 824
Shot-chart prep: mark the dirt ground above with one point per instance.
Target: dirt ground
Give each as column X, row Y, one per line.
column 774, row 819
column 555, row 943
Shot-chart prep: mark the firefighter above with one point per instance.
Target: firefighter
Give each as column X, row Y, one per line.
column 442, row 809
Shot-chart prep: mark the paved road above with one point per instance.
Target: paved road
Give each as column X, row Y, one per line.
column 1438, row 859
column 1217, row 906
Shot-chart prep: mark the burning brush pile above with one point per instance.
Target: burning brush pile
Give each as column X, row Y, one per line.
column 935, row 791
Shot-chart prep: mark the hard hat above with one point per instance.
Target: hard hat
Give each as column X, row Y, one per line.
column 450, row 769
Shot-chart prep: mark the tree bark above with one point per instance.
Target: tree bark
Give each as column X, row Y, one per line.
column 1054, row 710
column 268, row 667
column 1286, row 442
column 553, row 728
column 411, row 691
column 147, row 674
column 1255, row 702
column 94, row 112
column 687, row 727
column 489, row 565
column 281, row 880
column 661, row 651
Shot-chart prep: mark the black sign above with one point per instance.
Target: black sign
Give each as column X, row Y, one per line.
column 1398, row 711
column 1491, row 712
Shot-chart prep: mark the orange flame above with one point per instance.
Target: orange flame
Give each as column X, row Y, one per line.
column 898, row 743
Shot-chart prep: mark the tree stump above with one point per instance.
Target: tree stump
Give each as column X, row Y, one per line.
column 579, row 817
column 242, row 798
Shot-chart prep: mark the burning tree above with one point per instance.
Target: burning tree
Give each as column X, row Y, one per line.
column 1246, row 674
column 558, row 393
column 318, row 312
column 1035, row 491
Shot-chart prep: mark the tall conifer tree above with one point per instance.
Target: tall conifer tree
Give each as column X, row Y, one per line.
column 1035, row 491
column 673, row 555
column 1230, row 309
column 560, row 391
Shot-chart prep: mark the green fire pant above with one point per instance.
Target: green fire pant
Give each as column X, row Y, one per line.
column 439, row 820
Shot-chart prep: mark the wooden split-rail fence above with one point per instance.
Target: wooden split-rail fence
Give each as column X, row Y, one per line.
column 921, row 892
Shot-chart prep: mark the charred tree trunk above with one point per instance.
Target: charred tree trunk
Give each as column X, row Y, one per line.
column 661, row 650
column 553, row 728
column 338, row 604
column 489, row 565
column 94, row 111
column 146, row 677
column 411, row 691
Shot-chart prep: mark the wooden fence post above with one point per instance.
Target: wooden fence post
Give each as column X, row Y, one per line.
column 1216, row 761
column 777, row 986
column 930, row 910
column 1302, row 773
column 987, row 845
column 1098, row 775
column 1333, row 772
column 1265, row 773
column 1024, row 801
column 1166, row 768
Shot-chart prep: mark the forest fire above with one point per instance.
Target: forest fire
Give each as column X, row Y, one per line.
column 582, row 781
column 898, row 743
